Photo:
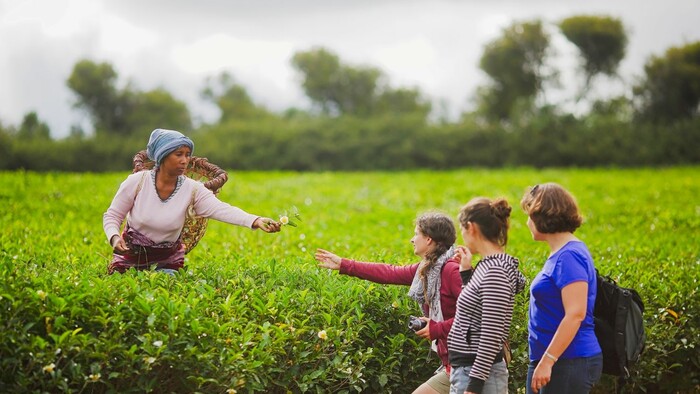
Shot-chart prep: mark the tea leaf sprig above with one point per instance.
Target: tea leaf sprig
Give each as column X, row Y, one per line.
column 290, row 217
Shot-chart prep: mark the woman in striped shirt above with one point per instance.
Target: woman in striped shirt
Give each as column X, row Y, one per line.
column 485, row 305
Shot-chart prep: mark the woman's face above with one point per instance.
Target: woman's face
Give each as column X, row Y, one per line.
column 467, row 237
column 536, row 235
column 176, row 162
column 422, row 244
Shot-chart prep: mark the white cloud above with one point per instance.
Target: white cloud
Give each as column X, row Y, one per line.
column 213, row 53
column 409, row 62
column 120, row 39
column 175, row 44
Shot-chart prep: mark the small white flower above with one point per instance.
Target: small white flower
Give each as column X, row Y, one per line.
column 149, row 360
column 157, row 343
column 49, row 368
column 284, row 219
column 94, row 377
column 41, row 294
column 231, row 391
column 322, row 334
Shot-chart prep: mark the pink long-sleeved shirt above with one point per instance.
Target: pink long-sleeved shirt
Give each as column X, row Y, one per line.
column 162, row 221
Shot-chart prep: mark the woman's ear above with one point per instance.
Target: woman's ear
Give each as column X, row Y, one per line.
column 472, row 228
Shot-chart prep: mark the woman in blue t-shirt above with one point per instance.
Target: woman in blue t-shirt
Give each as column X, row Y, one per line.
column 564, row 353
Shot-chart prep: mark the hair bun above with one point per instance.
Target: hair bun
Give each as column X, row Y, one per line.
column 501, row 208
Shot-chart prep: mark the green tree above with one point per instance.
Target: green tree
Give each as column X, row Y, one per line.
column 32, row 128
column 124, row 112
column 94, row 85
column 6, row 147
column 515, row 64
column 602, row 42
column 156, row 108
column 336, row 88
column 339, row 89
column 233, row 100
column 403, row 100
column 671, row 87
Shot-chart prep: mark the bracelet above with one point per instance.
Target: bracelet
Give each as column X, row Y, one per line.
column 550, row 356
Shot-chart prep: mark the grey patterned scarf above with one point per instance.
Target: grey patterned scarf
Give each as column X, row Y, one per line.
column 417, row 292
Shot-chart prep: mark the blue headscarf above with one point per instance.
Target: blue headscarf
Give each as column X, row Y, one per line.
column 163, row 142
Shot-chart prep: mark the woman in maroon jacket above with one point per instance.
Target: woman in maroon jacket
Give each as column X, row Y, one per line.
column 435, row 284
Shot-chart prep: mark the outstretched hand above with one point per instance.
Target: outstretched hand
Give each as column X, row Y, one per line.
column 328, row 260
column 267, row 225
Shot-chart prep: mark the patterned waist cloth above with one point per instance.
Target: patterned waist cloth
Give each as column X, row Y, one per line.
column 143, row 253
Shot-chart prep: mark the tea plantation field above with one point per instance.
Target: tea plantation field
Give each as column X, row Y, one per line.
column 252, row 312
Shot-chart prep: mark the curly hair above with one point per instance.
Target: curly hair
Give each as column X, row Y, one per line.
column 552, row 209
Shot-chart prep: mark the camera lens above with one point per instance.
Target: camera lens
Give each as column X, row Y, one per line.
column 415, row 323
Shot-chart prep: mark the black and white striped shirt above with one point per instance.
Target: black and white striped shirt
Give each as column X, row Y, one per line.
column 484, row 313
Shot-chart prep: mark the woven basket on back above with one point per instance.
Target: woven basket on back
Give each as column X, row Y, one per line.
column 199, row 169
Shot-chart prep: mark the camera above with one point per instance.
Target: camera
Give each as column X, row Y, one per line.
column 415, row 323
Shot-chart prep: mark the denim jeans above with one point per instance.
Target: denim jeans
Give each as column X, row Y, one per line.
column 570, row 376
column 497, row 383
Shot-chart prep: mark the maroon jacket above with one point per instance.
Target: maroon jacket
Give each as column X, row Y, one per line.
column 451, row 286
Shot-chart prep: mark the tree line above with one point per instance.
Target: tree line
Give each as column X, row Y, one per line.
column 359, row 121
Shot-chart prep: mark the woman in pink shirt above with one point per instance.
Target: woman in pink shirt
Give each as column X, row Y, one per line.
column 435, row 284
column 155, row 202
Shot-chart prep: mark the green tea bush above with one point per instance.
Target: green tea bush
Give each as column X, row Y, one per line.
column 262, row 329
column 251, row 312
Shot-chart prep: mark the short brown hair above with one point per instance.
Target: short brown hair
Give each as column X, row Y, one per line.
column 551, row 208
column 491, row 216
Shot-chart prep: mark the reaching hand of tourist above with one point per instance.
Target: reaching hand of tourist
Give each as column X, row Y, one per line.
column 327, row 259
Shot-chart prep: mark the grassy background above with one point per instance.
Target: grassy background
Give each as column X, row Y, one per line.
column 247, row 312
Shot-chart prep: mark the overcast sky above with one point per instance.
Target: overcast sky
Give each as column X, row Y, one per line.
column 434, row 45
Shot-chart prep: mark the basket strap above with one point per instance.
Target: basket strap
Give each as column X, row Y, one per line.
column 140, row 160
column 140, row 186
column 138, row 189
column 190, row 209
column 217, row 176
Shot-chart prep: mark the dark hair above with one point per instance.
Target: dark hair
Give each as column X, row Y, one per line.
column 552, row 209
column 491, row 216
column 441, row 229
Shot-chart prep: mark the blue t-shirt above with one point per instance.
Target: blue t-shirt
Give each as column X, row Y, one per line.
column 572, row 263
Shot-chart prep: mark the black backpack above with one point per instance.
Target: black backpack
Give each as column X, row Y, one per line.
column 619, row 326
